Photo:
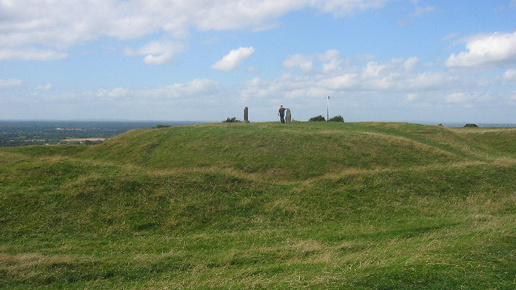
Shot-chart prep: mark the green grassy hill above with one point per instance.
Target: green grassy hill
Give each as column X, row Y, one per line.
column 363, row 205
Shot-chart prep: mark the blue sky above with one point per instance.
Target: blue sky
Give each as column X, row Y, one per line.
column 205, row 60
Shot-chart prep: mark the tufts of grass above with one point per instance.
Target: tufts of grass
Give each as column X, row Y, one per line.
column 318, row 205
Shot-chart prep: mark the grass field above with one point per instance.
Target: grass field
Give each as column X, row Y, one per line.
column 264, row 205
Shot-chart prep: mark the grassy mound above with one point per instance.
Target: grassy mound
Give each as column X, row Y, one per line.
column 366, row 205
column 298, row 151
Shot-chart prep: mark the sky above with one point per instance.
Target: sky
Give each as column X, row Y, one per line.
column 421, row 61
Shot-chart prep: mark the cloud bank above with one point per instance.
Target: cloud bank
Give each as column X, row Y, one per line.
column 45, row 30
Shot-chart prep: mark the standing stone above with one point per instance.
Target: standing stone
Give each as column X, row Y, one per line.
column 246, row 115
column 289, row 117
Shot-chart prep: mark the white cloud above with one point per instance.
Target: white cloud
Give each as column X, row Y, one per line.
column 196, row 88
column 456, row 97
column 395, row 76
column 345, row 7
column 372, row 70
column 45, row 87
column 232, row 60
column 179, row 101
column 410, row 63
column 259, row 15
column 297, row 89
column 450, row 36
column 411, row 97
column 342, row 82
column 30, row 54
column 112, row 95
column 329, row 60
column 420, row 10
column 54, row 26
column 427, row 81
column 510, row 75
column 158, row 52
column 118, row 93
column 362, row 82
column 302, row 62
column 486, row 50
column 9, row 83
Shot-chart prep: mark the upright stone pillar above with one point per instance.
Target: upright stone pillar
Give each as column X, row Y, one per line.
column 289, row 117
column 246, row 115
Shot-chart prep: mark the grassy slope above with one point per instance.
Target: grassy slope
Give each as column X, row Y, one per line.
column 370, row 205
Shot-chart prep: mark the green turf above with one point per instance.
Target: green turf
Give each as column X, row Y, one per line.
column 264, row 205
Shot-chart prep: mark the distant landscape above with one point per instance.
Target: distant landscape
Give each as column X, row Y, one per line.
column 263, row 205
column 23, row 133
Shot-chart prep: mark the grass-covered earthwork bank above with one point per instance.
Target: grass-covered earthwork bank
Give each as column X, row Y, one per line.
column 265, row 205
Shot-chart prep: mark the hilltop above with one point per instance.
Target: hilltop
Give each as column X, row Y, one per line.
column 368, row 205
column 301, row 150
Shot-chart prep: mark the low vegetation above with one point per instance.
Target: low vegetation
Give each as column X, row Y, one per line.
column 261, row 205
column 336, row 119
column 231, row 120
column 319, row 118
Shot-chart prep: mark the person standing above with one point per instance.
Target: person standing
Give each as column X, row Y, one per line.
column 281, row 114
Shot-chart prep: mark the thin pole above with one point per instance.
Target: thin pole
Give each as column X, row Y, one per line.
column 328, row 110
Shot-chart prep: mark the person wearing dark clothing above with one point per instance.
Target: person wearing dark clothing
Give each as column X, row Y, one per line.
column 281, row 114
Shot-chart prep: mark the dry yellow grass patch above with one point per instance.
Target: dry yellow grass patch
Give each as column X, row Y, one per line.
column 29, row 264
